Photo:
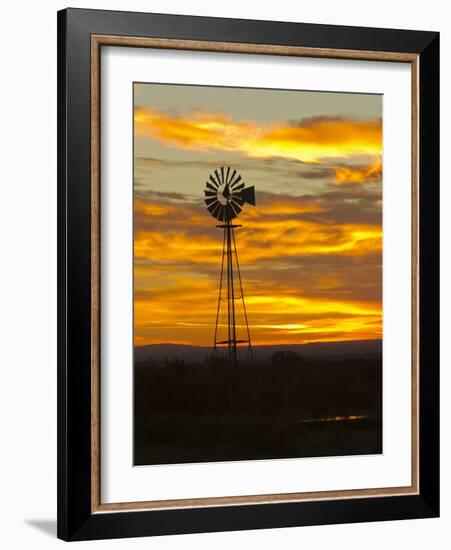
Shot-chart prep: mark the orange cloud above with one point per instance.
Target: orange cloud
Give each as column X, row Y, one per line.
column 262, row 240
column 307, row 141
column 272, row 233
column 199, row 131
column 358, row 174
column 322, row 137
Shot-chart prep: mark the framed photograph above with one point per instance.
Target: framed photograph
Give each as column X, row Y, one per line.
column 248, row 274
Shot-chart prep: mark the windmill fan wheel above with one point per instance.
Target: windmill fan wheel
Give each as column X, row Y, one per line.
column 226, row 193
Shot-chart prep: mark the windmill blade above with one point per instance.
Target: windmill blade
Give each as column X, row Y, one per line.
column 238, row 179
column 227, row 174
column 232, row 176
column 212, row 187
column 211, row 200
column 218, row 178
column 208, row 193
column 214, row 182
column 238, row 187
column 248, row 195
column 211, row 206
column 236, row 197
column 213, row 209
column 222, row 174
column 235, row 207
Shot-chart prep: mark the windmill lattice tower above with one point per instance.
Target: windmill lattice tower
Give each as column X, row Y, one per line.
column 225, row 194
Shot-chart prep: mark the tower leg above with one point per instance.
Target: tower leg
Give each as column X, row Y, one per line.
column 231, row 301
column 220, row 289
column 230, row 368
column 242, row 296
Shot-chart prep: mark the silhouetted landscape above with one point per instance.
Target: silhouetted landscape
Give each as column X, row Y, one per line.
column 322, row 399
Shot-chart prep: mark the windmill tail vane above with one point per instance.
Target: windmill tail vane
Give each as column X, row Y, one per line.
column 225, row 195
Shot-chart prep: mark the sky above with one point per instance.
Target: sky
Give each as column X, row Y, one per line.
column 310, row 251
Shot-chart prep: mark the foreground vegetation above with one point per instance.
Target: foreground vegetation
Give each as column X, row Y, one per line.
column 287, row 406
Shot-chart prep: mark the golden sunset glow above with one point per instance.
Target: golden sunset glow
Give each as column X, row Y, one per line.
column 288, row 236
column 350, row 174
column 316, row 138
column 310, row 251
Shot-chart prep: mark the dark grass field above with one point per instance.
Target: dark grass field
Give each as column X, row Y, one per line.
column 284, row 406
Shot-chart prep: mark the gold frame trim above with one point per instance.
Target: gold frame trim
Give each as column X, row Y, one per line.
column 97, row 41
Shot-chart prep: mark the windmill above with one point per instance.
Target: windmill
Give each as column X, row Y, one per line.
column 225, row 194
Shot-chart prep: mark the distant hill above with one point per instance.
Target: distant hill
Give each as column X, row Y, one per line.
column 360, row 348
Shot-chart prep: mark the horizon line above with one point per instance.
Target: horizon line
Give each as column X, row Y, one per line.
column 262, row 345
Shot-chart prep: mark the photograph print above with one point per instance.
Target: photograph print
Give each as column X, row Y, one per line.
column 257, row 273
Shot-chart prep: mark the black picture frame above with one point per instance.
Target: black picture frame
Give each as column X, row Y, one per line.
column 76, row 520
